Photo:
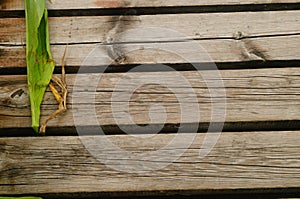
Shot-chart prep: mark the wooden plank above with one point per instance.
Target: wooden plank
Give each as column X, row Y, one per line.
column 189, row 26
column 250, row 161
column 91, row 4
column 246, row 38
column 258, row 95
column 264, row 49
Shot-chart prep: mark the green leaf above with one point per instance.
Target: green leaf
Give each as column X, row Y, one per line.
column 40, row 64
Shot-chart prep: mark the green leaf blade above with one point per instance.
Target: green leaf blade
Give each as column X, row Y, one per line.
column 40, row 64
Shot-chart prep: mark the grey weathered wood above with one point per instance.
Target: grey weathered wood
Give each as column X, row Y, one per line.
column 249, row 37
column 86, row 4
column 60, row 165
column 283, row 48
column 189, row 26
column 252, row 96
column 248, row 161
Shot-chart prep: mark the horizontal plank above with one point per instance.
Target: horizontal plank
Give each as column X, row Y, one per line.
column 258, row 95
column 246, row 38
column 107, row 29
column 252, row 161
column 91, row 4
column 265, row 49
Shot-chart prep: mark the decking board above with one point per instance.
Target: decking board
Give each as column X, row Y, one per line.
column 258, row 95
column 105, row 29
column 262, row 50
column 258, row 37
column 239, row 161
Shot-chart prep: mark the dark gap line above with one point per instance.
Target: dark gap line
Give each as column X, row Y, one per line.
column 263, row 193
column 160, row 10
column 123, row 68
column 251, row 126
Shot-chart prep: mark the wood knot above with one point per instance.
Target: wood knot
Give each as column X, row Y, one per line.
column 239, row 35
column 16, row 99
column 18, row 93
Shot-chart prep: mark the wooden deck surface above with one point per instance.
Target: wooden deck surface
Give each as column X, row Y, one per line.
column 255, row 45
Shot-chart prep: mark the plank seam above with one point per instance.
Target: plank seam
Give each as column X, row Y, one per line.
column 161, row 10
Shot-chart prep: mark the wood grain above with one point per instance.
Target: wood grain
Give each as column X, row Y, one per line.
column 219, row 51
column 251, row 96
column 248, row 160
column 106, row 29
column 88, row 4
column 249, row 37
column 231, row 33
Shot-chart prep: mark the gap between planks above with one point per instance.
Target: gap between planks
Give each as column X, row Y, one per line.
column 136, row 7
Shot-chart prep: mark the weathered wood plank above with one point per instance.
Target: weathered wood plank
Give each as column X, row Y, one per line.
column 88, row 4
column 283, row 48
column 189, row 26
column 246, row 38
column 248, row 160
column 252, row 96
